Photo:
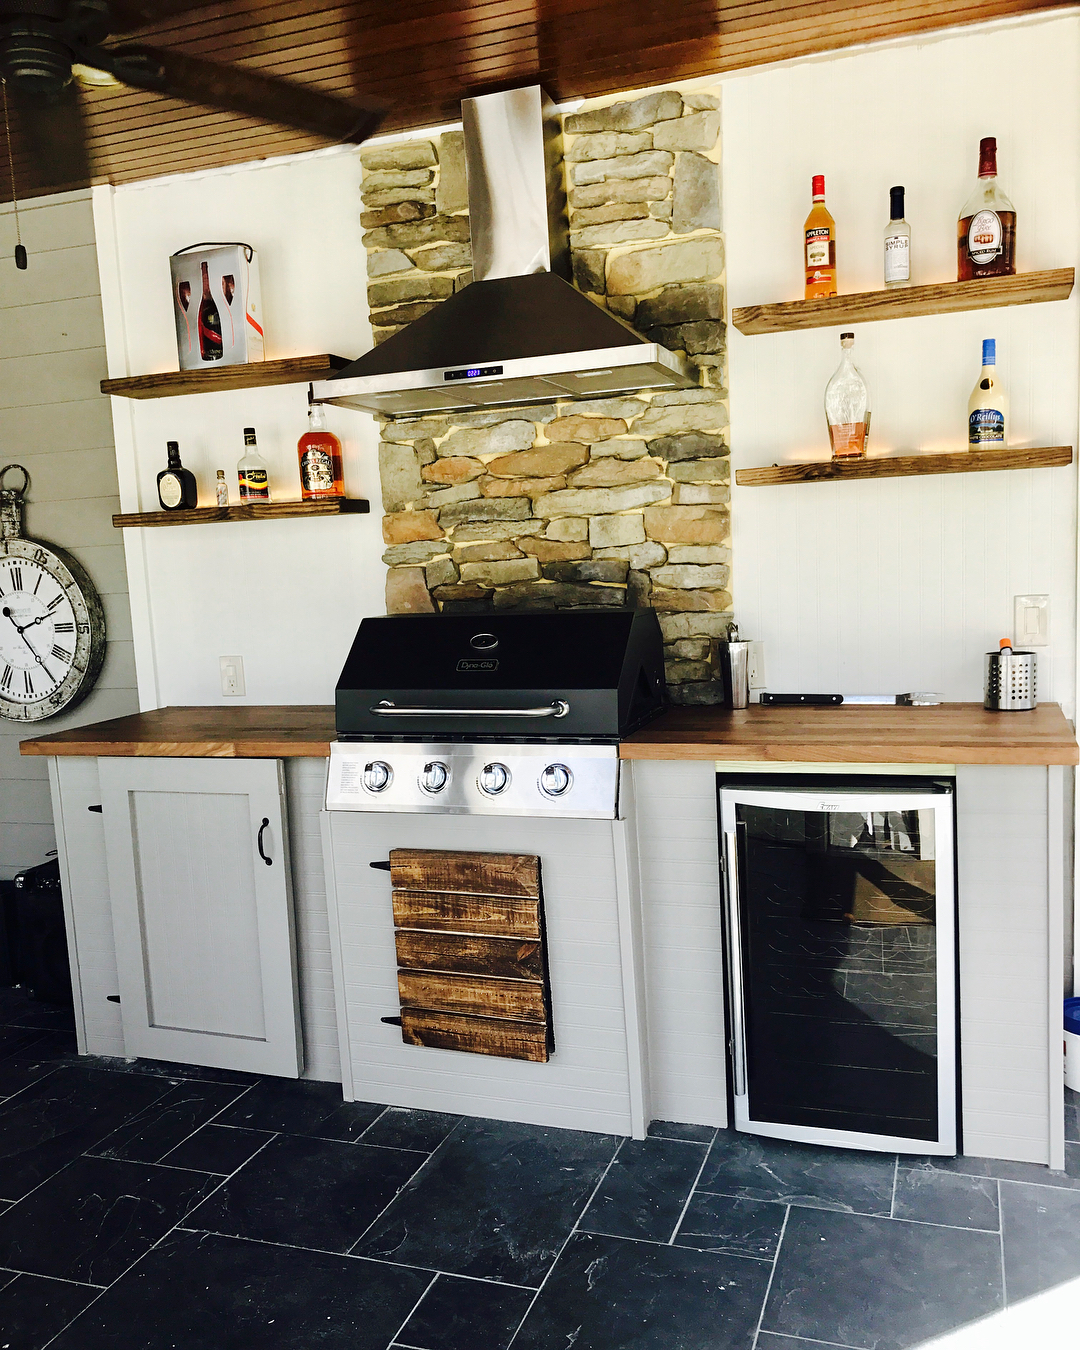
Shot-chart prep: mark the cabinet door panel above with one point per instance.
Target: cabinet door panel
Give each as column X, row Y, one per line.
column 203, row 926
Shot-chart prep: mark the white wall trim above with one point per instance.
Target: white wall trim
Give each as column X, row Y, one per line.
column 631, row 940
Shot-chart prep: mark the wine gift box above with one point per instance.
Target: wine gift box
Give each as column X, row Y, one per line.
column 217, row 305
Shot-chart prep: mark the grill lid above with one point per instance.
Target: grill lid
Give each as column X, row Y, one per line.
column 564, row 676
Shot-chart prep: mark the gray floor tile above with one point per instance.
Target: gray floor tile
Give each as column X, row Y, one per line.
column 457, row 1314
column 722, row 1223
column 946, row 1198
column 671, row 1129
column 645, row 1189
column 1041, row 1236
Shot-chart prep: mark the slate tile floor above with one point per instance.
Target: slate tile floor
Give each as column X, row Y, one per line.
column 147, row 1206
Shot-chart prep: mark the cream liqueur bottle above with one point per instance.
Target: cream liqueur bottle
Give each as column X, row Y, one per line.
column 988, row 407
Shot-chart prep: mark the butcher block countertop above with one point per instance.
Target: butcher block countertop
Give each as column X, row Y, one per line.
column 953, row 733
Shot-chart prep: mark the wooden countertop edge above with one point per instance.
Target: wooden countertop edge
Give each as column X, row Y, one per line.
column 247, row 749
column 790, row 752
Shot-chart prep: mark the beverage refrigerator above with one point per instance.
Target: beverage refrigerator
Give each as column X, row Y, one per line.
column 839, row 909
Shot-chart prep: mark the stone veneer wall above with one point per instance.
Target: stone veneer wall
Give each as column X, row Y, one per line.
column 606, row 501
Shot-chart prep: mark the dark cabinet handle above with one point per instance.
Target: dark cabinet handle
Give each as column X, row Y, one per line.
column 94, row 808
column 268, row 861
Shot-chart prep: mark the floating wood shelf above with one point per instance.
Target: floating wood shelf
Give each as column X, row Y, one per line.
column 214, row 515
column 293, row 370
column 950, row 297
column 903, row 466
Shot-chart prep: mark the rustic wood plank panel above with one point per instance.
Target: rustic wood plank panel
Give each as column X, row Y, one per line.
column 502, row 957
column 903, row 466
column 477, row 1035
column 515, row 999
column 951, row 297
column 254, row 375
column 507, row 874
column 217, row 515
column 501, row 916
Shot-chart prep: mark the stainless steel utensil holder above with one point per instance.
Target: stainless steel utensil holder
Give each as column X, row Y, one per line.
column 1010, row 681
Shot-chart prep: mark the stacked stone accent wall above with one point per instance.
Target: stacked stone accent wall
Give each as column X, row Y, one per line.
column 606, row 501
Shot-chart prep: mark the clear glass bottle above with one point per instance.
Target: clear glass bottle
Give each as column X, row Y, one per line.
column 819, row 245
column 986, row 230
column 847, row 405
column 253, row 471
column 222, row 488
column 319, row 453
column 988, row 407
column 897, row 242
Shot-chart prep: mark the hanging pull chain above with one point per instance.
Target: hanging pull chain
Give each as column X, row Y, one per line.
column 20, row 251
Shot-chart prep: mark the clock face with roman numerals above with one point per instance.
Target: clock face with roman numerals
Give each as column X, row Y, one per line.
column 52, row 631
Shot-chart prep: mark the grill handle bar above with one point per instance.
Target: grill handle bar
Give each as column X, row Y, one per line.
column 387, row 709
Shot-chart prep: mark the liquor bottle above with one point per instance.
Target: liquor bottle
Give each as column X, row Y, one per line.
column 319, row 451
column 222, row 489
column 847, row 405
column 897, row 242
column 986, row 232
column 210, row 346
column 253, row 471
column 988, row 407
column 820, row 245
column 176, row 486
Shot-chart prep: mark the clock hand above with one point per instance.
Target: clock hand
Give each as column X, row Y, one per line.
column 33, row 650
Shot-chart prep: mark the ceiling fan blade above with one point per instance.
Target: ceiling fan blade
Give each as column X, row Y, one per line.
column 54, row 131
column 239, row 90
column 130, row 15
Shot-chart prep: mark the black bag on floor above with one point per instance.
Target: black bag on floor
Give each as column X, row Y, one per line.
column 41, row 939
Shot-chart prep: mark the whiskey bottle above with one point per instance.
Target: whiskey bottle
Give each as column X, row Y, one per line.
column 986, row 231
column 819, row 234
column 847, row 405
column 319, row 451
column 210, row 345
column 988, row 407
column 176, row 486
column 252, row 471
column 897, row 242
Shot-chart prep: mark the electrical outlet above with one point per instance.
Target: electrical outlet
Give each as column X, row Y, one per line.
column 232, row 676
column 755, row 665
column 1031, row 621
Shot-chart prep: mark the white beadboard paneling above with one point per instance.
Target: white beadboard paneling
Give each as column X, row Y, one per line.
column 585, row 1085
column 896, row 584
column 680, row 894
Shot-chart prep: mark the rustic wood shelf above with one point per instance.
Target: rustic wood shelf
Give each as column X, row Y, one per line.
column 903, row 466
column 215, row 515
column 950, row 297
column 170, row 383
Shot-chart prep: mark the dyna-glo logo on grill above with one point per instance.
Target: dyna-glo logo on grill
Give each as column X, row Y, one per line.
column 471, row 665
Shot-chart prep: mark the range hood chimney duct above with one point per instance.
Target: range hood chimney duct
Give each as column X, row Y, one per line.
column 520, row 332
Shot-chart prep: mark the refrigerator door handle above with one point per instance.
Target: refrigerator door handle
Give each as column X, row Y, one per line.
column 734, row 954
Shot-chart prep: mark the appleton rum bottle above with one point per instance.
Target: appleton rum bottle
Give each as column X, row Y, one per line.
column 847, row 405
column 986, row 231
column 819, row 245
column 210, row 346
column 319, row 452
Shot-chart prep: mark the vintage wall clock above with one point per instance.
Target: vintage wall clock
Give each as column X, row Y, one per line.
column 52, row 625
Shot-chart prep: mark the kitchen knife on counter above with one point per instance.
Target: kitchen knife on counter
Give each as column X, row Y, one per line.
column 914, row 700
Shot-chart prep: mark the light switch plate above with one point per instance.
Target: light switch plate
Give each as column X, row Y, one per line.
column 1031, row 621
column 755, row 665
column 232, row 676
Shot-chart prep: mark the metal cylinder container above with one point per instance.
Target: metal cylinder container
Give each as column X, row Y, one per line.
column 734, row 661
column 1010, row 680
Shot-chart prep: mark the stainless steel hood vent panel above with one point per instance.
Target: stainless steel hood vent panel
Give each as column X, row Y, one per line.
column 532, row 339
column 519, row 334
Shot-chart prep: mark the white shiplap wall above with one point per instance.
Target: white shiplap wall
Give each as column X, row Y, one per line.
column 55, row 421
column 898, row 584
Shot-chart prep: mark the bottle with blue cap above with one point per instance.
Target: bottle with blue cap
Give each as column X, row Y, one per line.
column 988, row 407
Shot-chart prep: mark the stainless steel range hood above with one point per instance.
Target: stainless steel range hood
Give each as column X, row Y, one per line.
column 520, row 333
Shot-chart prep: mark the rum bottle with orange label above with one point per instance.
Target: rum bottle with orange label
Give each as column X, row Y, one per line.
column 819, row 245
column 319, row 451
column 986, row 231
column 252, row 471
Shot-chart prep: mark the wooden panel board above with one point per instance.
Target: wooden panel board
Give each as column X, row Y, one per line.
column 1030, row 288
column 472, row 873
column 903, row 466
column 504, row 958
column 255, row 375
column 217, row 515
column 505, row 916
column 478, row 1035
column 474, row 994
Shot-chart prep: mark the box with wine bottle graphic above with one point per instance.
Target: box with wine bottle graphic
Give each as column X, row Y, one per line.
column 217, row 305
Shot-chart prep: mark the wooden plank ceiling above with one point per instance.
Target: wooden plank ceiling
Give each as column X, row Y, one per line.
column 424, row 56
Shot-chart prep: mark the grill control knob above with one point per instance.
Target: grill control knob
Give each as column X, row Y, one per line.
column 555, row 780
column 494, row 778
column 434, row 776
column 378, row 775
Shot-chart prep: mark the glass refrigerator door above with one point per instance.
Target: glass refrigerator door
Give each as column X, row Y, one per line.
column 842, row 978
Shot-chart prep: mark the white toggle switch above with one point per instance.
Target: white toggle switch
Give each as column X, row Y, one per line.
column 232, row 676
column 1031, row 623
